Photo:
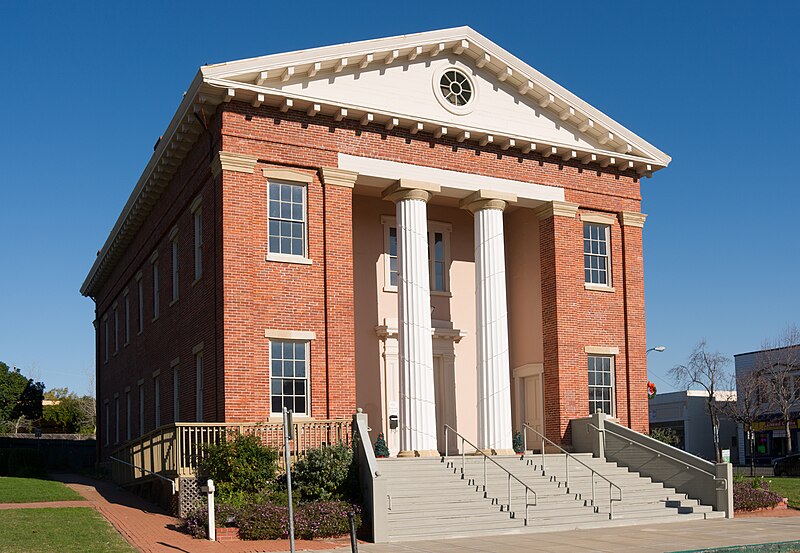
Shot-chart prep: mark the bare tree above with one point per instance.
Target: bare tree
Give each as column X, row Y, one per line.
column 780, row 363
column 749, row 406
column 706, row 370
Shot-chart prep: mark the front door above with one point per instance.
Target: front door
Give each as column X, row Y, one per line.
column 534, row 408
column 444, row 388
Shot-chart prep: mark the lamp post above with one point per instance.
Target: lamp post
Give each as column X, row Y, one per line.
column 659, row 349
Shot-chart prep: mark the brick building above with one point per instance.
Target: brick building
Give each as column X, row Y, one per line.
column 423, row 226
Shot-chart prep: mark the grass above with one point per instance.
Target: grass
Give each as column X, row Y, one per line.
column 29, row 490
column 787, row 487
column 66, row 530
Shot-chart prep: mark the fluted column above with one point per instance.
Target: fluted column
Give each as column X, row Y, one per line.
column 494, row 378
column 417, row 399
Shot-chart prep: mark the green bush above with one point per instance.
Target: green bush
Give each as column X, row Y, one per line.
column 240, row 467
column 325, row 473
column 26, row 463
column 316, row 519
column 665, row 435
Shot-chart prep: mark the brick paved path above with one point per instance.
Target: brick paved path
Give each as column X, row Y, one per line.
column 151, row 529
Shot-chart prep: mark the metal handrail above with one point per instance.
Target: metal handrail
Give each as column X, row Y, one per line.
column 172, row 482
column 485, row 458
column 659, row 453
column 568, row 456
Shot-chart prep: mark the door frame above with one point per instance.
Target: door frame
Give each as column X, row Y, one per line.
column 520, row 374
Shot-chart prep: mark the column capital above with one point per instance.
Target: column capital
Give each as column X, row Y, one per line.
column 333, row 176
column 632, row 219
column 557, row 209
column 405, row 189
column 232, row 161
column 487, row 199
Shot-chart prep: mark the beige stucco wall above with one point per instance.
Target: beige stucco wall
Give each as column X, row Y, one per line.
column 524, row 280
column 374, row 306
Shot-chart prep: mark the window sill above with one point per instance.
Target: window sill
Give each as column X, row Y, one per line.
column 285, row 258
column 154, row 319
column 599, row 287
column 173, row 302
column 278, row 417
column 126, row 344
column 195, row 281
column 139, row 333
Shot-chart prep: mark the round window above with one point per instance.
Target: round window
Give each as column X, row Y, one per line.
column 456, row 87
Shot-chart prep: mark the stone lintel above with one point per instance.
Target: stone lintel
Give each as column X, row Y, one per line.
column 291, row 175
column 487, row 199
column 557, row 208
column 632, row 219
column 231, row 161
column 333, row 176
column 600, row 218
column 406, row 189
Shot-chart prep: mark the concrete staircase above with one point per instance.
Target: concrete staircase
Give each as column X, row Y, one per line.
column 428, row 498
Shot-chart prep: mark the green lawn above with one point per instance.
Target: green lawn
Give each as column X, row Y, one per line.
column 66, row 530
column 29, row 490
column 787, row 487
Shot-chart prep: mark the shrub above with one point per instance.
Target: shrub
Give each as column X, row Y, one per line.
column 754, row 494
column 240, row 466
column 325, row 473
column 665, row 435
column 26, row 463
column 264, row 521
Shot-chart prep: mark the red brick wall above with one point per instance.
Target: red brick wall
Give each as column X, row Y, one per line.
column 180, row 326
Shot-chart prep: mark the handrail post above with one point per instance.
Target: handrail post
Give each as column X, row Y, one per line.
column 566, row 468
column 484, row 474
column 509, row 492
column 594, row 503
column 463, row 462
column 524, row 440
column 542, row 453
column 611, row 502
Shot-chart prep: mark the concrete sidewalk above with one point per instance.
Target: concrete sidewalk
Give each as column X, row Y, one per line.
column 656, row 538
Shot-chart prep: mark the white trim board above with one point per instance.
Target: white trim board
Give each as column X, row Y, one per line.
column 454, row 183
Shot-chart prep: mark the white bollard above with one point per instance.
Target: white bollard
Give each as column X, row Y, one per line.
column 212, row 529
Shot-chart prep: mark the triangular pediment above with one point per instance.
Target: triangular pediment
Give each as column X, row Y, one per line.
column 394, row 81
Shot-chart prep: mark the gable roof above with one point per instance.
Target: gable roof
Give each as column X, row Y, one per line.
column 263, row 81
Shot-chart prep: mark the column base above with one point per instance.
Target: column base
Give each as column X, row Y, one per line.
column 419, row 453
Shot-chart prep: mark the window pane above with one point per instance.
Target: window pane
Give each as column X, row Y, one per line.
column 286, row 193
column 299, row 350
column 274, row 191
column 300, row 387
column 297, row 194
column 276, row 404
column 276, row 368
column 277, row 386
column 300, row 405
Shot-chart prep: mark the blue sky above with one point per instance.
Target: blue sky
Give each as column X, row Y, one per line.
column 87, row 88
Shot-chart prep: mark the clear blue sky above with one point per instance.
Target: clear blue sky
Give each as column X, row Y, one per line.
column 87, row 88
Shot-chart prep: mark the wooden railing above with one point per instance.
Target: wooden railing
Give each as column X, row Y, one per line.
column 177, row 449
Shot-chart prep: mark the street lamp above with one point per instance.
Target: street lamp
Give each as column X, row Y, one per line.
column 657, row 348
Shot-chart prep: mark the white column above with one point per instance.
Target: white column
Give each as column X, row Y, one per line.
column 417, row 399
column 494, row 378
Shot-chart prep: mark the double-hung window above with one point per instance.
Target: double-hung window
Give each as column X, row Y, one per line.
column 438, row 255
column 197, row 217
column 596, row 254
column 175, row 265
column 156, row 292
column 287, row 218
column 601, row 384
column 116, row 329
column 127, row 317
column 140, row 301
column 198, row 384
column 289, row 376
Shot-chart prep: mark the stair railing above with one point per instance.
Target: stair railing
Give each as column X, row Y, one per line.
column 528, row 489
column 567, row 457
column 603, row 432
column 164, row 478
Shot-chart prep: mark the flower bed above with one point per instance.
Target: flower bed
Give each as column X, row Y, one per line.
column 752, row 495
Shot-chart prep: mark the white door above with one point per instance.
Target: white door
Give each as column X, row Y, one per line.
column 534, row 409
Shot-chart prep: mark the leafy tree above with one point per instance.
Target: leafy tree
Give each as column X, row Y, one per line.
column 20, row 397
column 665, row 435
column 68, row 412
column 707, row 370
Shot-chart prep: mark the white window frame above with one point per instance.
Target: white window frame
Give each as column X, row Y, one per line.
column 115, row 310
column 128, row 413
column 108, row 423
column 127, row 306
column 141, row 408
column 157, row 400
column 156, row 291
column 612, row 387
column 106, row 338
column 116, row 416
column 307, row 378
column 199, row 384
column 607, row 257
column 140, row 294
column 175, row 267
column 289, row 257
column 197, row 223
column 176, row 398
column 445, row 229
